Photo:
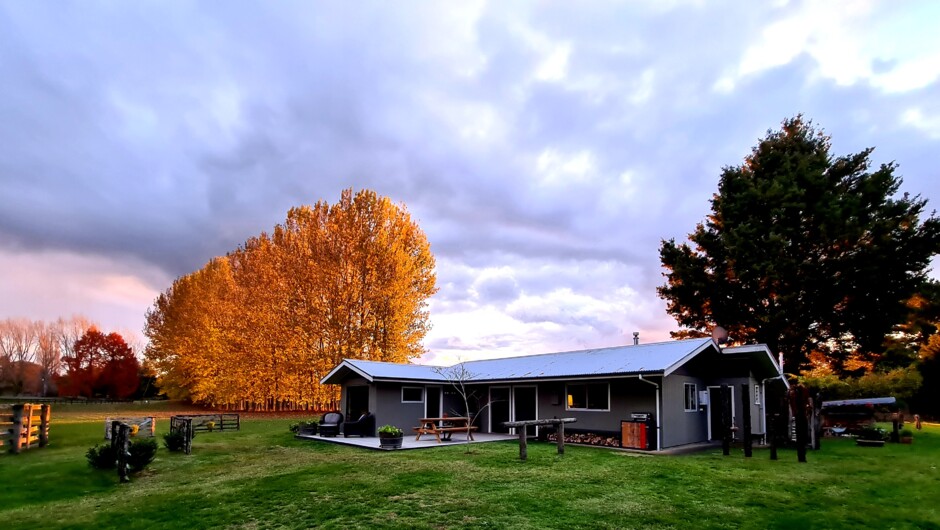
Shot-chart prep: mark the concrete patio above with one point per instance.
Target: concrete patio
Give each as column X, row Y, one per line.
column 408, row 442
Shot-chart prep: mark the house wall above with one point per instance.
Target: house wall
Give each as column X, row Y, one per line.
column 389, row 409
column 681, row 427
column 757, row 421
column 627, row 396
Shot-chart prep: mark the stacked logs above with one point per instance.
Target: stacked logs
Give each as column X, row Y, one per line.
column 588, row 438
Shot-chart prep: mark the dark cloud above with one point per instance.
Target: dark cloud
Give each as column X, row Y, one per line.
column 557, row 143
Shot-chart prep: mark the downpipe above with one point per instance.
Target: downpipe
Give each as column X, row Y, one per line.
column 659, row 429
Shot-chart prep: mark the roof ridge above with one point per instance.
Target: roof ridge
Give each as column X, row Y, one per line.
column 660, row 343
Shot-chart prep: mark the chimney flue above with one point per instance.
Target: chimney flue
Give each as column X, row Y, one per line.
column 636, row 338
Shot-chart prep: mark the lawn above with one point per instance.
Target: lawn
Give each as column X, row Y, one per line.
column 260, row 477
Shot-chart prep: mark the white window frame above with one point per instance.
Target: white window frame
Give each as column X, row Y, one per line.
column 687, row 394
column 419, row 388
column 585, row 385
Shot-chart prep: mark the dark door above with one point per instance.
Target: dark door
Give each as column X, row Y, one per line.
column 432, row 402
column 525, row 406
column 357, row 402
column 715, row 404
column 714, row 413
column 499, row 409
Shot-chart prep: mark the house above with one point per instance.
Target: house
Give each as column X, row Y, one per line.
column 668, row 386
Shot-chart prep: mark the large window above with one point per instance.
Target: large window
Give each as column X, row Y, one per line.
column 691, row 397
column 412, row 394
column 588, row 396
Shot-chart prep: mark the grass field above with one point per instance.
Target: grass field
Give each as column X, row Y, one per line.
column 260, row 477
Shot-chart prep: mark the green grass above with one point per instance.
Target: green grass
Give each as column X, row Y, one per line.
column 260, row 477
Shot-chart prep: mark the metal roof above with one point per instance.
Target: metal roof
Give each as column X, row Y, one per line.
column 658, row 357
column 857, row 402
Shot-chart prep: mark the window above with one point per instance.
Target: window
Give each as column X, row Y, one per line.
column 691, row 397
column 412, row 394
column 588, row 396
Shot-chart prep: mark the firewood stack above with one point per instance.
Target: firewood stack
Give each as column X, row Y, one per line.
column 589, row 439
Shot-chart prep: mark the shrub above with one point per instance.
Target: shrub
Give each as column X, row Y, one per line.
column 142, row 453
column 101, row 457
column 298, row 425
column 390, row 430
column 906, row 433
column 873, row 433
column 174, row 440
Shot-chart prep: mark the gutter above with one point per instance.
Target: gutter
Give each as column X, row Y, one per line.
column 659, row 428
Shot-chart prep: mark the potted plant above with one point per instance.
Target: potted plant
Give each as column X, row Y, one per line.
column 871, row 437
column 390, row 437
column 907, row 436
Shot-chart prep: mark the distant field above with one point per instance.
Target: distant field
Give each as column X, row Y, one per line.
column 260, row 477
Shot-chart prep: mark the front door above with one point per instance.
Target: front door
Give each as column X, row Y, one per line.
column 714, row 411
column 432, row 402
column 357, row 402
column 525, row 406
column 499, row 408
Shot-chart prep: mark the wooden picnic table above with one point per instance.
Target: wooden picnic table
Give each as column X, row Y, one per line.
column 445, row 427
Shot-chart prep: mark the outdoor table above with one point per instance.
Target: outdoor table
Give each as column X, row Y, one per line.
column 445, row 427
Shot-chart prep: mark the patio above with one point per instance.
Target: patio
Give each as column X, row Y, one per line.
column 408, row 442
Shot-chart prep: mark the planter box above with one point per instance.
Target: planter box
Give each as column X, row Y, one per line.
column 390, row 442
column 870, row 443
column 308, row 429
column 907, row 439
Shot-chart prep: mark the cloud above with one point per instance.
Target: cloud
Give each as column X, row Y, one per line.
column 545, row 149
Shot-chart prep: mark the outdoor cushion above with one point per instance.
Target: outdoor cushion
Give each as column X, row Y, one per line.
column 329, row 425
column 364, row 426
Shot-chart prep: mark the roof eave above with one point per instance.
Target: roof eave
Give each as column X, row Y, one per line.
column 349, row 366
column 688, row 357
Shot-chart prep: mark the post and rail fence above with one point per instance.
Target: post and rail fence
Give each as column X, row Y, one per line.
column 521, row 428
column 24, row 426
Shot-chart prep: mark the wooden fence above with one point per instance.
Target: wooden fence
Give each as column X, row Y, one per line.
column 146, row 426
column 212, row 422
column 25, row 426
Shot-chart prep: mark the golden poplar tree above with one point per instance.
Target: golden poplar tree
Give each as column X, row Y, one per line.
column 261, row 326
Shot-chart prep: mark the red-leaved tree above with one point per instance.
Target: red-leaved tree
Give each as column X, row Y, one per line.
column 102, row 365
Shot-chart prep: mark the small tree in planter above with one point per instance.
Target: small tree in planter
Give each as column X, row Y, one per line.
column 459, row 376
column 390, row 437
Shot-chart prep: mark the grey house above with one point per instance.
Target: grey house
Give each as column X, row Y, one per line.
column 668, row 386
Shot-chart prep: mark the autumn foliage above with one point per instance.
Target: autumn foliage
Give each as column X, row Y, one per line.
column 259, row 327
column 100, row 365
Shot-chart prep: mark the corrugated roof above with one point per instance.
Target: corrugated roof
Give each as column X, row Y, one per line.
column 857, row 402
column 642, row 358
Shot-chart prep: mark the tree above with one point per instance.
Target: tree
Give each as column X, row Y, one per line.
column 101, row 365
column 803, row 251
column 927, row 400
column 460, row 377
column 48, row 353
column 262, row 325
column 17, row 352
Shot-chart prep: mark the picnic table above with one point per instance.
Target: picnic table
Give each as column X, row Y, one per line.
column 444, row 427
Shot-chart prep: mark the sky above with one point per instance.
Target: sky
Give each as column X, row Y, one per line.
column 545, row 148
